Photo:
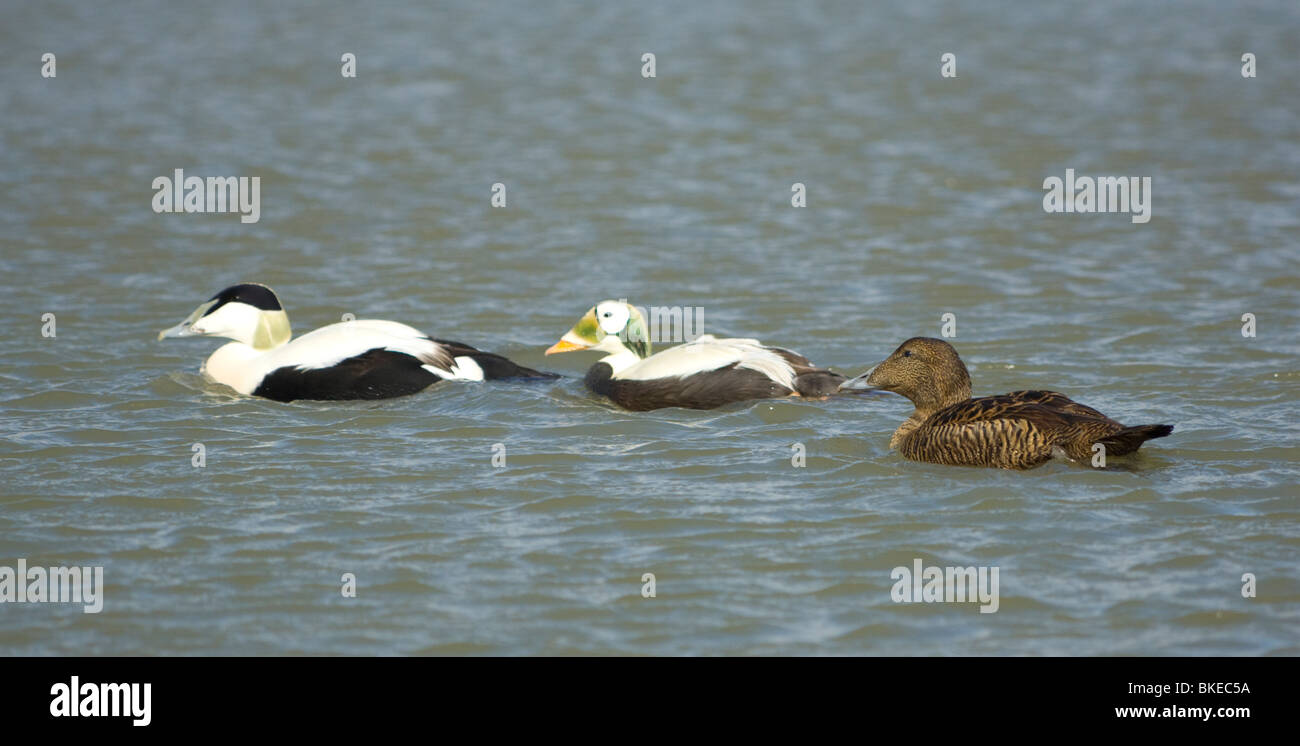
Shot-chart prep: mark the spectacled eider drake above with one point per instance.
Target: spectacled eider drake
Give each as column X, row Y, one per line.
column 703, row 374
column 363, row 359
column 1018, row 430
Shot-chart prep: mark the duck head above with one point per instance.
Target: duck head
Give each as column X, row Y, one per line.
column 610, row 326
column 925, row 370
column 247, row 313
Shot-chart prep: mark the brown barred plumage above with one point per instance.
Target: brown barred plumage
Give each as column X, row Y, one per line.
column 1018, row 430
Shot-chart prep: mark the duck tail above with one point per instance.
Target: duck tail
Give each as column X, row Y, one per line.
column 817, row 384
column 496, row 367
column 1130, row 439
column 858, row 384
column 820, row 384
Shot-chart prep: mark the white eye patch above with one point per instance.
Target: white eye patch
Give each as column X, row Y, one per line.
column 612, row 316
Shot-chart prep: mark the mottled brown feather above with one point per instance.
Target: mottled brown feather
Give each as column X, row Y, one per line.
column 1018, row 430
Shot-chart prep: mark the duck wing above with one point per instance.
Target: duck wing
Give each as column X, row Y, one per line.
column 709, row 353
column 1054, row 400
column 331, row 345
column 1012, row 431
column 992, row 409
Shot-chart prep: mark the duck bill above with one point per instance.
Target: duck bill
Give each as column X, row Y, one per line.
column 186, row 327
column 180, row 330
column 564, row 345
column 862, row 382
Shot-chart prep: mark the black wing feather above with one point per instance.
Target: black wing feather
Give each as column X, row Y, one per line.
column 374, row 374
column 706, row 390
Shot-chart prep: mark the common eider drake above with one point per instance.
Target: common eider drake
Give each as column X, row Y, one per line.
column 363, row 359
column 1018, row 430
column 702, row 374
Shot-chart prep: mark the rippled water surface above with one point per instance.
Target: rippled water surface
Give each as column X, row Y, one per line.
column 924, row 198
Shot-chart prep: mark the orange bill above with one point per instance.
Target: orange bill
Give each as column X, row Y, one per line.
column 564, row 345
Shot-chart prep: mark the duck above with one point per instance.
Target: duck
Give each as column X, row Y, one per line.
column 1019, row 430
column 358, row 359
column 704, row 373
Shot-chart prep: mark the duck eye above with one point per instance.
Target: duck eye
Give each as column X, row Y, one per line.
column 607, row 314
column 907, row 353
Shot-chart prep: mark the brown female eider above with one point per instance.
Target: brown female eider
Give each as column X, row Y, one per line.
column 1018, row 430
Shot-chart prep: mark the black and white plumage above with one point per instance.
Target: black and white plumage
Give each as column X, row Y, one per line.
column 705, row 373
column 361, row 359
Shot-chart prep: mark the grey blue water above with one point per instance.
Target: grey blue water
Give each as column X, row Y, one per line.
column 924, row 197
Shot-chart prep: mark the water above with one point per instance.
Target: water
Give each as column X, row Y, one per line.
column 923, row 198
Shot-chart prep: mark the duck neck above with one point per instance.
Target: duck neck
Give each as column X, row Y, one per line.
column 620, row 360
column 941, row 394
column 907, row 428
column 272, row 331
column 619, row 357
column 954, row 394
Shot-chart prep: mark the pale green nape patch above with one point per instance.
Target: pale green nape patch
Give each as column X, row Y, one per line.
column 635, row 335
column 272, row 330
